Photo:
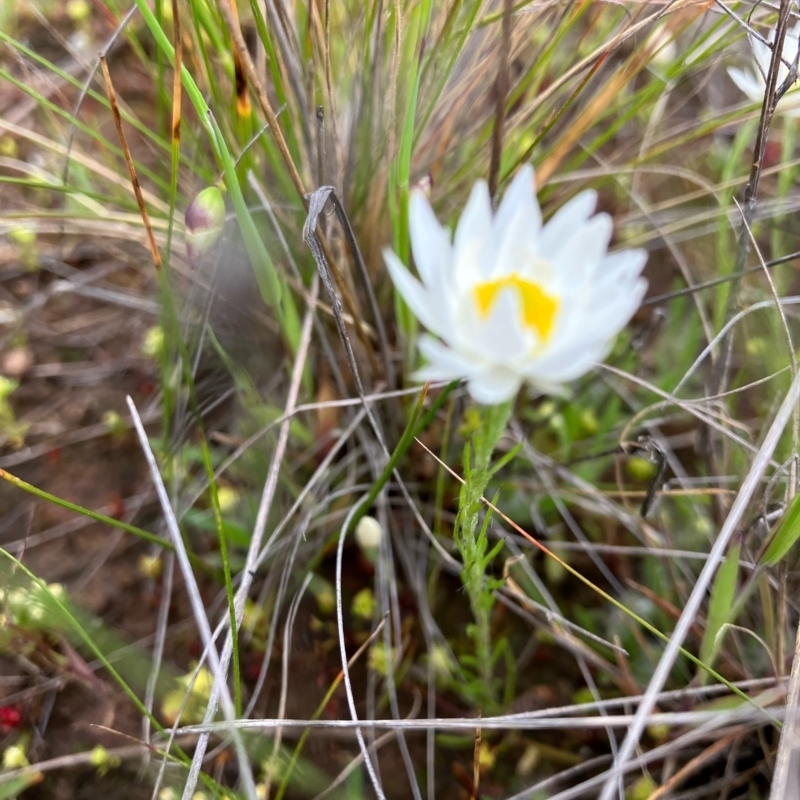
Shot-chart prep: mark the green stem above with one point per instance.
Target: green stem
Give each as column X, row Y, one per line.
column 473, row 542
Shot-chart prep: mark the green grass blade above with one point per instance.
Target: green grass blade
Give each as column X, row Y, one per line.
column 723, row 593
column 785, row 537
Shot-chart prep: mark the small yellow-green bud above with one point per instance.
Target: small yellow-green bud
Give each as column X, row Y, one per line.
column 171, row 706
column 641, row 469
column 14, row 757
column 78, row 10
column 203, row 683
column 22, row 235
column 153, row 344
column 227, row 497
column 658, row 732
column 379, row 658
column 363, row 605
column 150, row 566
column 253, row 615
column 102, row 760
column 486, row 757
column 113, row 421
column 8, row 146
column 642, row 789
column 441, row 662
column 544, row 411
column 195, row 704
column 205, row 221
column 7, row 386
column 589, row 422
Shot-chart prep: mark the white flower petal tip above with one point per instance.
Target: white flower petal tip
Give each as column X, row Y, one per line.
column 751, row 81
column 494, row 386
column 512, row 301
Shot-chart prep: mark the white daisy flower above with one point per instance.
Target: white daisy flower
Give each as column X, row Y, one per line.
column 753, row 84
column 511, row 300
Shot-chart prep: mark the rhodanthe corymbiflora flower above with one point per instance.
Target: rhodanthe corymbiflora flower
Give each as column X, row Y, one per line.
column 753, row 83
column 510, row 300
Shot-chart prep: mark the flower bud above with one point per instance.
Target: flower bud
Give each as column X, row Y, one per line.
column 14, row 757
column 205, row 221
column 363, row 605
column 425, row 185
column 102, row 760
column 369, row 533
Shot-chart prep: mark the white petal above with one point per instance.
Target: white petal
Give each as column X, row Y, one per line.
column 476, row 218
column 430, row 242
column 612, row 313
column 753, row 87
column 499, row 337
column 473, row 241
column 494, row 385
column 565, row 221
column 763, row 54
column 517, row 252
column 618, row 270
column 413, row 292
column 519, row 197
column 567, row 364
column 444, row 363
column 573, row 353
column 570, row 322
column 576, row 261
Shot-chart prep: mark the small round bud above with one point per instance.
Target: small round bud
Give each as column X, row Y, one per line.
column 102, row 760
column 227, row 497
column 441, row 662
column 205, row 221
column 78, row 10
column 153, row 344
column 641, row 469
column 114, row 422
column 150, row 566
column 369, row 533
column 14, row 757
column 22, row 235
column 425, row 185
column 363, row 605
column 380, row 657
column 58, row 591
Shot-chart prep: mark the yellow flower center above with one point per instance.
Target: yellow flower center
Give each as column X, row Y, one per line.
column 538, row 308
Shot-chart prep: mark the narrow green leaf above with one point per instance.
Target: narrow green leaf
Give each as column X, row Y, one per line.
column 16, row 786
column 719, row 608
column 787, row 534
column 505, row 459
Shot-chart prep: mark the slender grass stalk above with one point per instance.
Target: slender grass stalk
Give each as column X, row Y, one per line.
column 102, row 518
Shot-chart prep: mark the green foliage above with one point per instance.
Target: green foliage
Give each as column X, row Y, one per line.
column 785, row 537
column 473, row 544
column 723, row 593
